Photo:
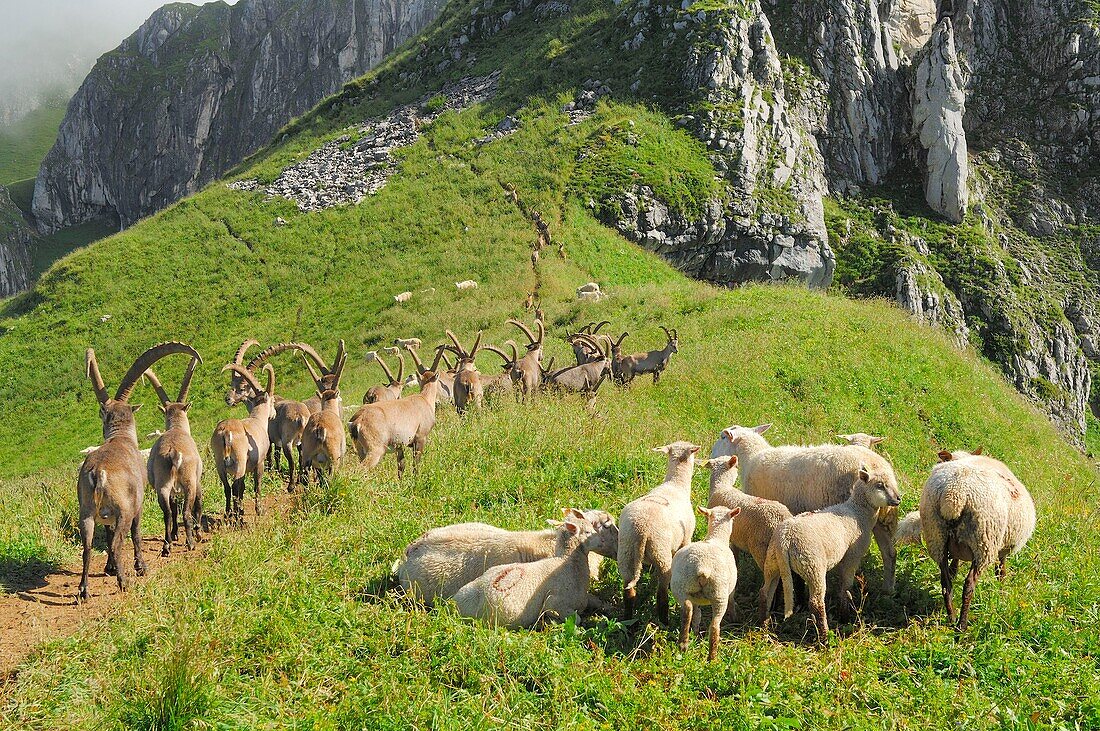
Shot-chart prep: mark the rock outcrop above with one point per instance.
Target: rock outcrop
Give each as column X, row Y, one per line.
column 15, row 241
column 196, row 89
column 939, row 103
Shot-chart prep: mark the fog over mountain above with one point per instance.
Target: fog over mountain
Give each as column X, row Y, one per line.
column 48, row 46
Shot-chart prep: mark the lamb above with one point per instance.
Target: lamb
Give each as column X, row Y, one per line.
column 443, row 560
column 656, row 526
column 524, row 594
column 705, row 573
column 973, row 508
column 760, row 517
column 811, row 478
column 811, row 544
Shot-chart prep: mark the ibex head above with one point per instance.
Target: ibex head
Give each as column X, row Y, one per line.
column 673, row 338
column 533, row 343
column 325, row 378
column 259, row 393
column 180, row 405
column 238, row 390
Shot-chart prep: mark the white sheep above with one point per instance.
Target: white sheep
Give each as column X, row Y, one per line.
column 403, row 297
column 465, row 285
column 753, row 531
column 811, row 544
column 443, row 560
column 656, row 526
column 523, row 594
column 705, row 574
column 973, row 508
column 811, row 478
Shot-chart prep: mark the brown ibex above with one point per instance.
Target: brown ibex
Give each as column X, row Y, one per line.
column 527, row 370
column 394, row 386
column 111, row 483
column 175, row 467
column 468, row 388
column 239, row 445
column 446, row 378
column 324, row 442
column 654, row 361
column 395, row 425
column 585, row 378
column 585, row 349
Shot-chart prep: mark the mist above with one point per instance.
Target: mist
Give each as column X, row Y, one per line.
column 47, row 47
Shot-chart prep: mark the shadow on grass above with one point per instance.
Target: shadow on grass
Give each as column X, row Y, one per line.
column 23, row 573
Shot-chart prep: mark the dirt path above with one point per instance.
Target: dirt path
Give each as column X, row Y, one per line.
column 50, row 611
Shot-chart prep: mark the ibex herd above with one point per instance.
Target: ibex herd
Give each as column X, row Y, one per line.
column 309, row 435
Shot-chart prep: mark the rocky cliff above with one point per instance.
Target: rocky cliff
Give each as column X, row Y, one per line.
column 15, row 241
column 196, row 89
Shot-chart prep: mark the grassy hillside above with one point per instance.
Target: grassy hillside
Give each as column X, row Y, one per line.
column 24, row 143
column 286, row 625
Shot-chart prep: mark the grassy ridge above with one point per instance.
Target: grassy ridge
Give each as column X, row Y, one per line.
column 285, row 626
column 24, row 143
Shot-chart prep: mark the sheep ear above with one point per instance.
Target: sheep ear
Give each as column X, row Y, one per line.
column 662, row 450
column 694, row 450
column 572, row 513
column 864, row 473
column 978, row 451
column 735, row 512
column 944, row 455
column 704, row 511
column 877, row 440
column 845, row 438
column 733, row 460
column 571, row 527
column 762, row 428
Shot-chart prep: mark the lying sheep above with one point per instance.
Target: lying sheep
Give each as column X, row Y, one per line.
column 406, row 343
column 705, row 574
column 523, row 594
column 753, row 531
column 443, row 560
column 811, row 478
column 466, row 285
column 403, row 297
column 811, row 544
column 973, row 508
column 656, row 526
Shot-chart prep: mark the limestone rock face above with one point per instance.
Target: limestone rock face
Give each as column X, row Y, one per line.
column 196, row 89
column 939, row 103
column 15, row 241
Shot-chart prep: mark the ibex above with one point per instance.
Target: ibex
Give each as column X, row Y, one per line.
column 394, row 386
column 239, row 445
column 324, row 442
column 584, row 378
column 446, row 378
column 502, row 383
column 328, row 378
column 111, row 483
column 616, row 348
column 174, row 468
column 585, row 350
column 395, row 425
column 468, row 388
column 526, row 371
column 654, row 361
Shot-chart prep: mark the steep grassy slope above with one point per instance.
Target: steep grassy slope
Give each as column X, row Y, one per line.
column 24, row 143
column 285, row 626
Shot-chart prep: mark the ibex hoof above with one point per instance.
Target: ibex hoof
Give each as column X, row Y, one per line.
column 165, row 551
column 140, row 569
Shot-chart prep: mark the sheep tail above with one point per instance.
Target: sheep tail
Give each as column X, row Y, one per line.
column 788, row 583
column 952, row 501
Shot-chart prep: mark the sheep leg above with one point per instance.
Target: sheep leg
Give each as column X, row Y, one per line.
column 885, row 539
column 662, row 596
column 630, row 596
column 1002, row 566
column 164, row 497
column 968, row 594
column 718, row 611
column 87, row 531
column 656, row 377
column 948, row 567
column 815, row 585
column 135, row 537
column 686, row 610
column 767, row 595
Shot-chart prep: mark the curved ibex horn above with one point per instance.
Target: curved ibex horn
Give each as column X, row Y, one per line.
column 458, row 346
column 542, row 330
column 270, row 378
column 400, row 365
column 589, row 340
column 385, row 368
column 274, row 350
column 450, row 365
column 525, row 329
column 156, row 384
column 247, row 375
column 145, row 361
column 340, row 361
column 621, row 339
column 312, row 371
column 185, row 384
column 238, row 358
column 91, row 367
column 439, row 351
column 600, row 324
column 477, row 345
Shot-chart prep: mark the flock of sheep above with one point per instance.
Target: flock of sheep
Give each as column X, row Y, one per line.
column 801, row 511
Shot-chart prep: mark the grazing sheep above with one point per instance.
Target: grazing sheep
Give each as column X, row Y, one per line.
column 466, row 285
column 760, row 517
column 403, row 297
column 407, row 343
column 656, row 526
column 523, row 594
column 811, row 544
column 908, row 530
column 973, row 508
column 811, row 478
column 443, row 560
column 705, row 573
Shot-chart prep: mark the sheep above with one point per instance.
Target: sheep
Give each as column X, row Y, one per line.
column 239, row 445
column 810, row 478
column 753, row 531
column 403, row 297
column 811, row 544
column 407, row 343
column 111, row 483
column 323, row 440
column 860, row 439
column 973, row 508
column 395, row 425
column 174, row 467
column 524, row 594
column 443, row 560
column 465, row 285
column 656, row 526
column 653, row 361
column 705, row 574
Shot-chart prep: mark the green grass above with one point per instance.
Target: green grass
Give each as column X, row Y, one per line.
column 287, row 626
column 24, row 143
